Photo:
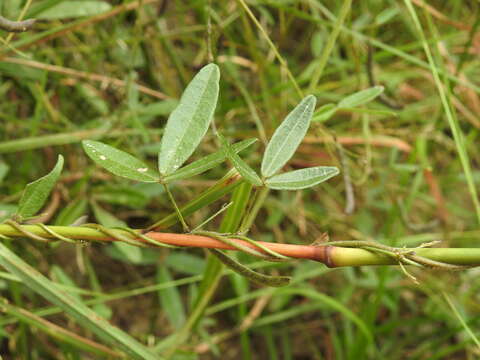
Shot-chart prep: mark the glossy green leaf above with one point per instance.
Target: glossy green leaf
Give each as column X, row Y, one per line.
column 360, row 98
column 189, row 122
column 36, row 193
column 288, row 136
column 325, row 112
column 207, row 162
column 302, row 179
column 74, row 9
column 119, row 162
column 246, row 171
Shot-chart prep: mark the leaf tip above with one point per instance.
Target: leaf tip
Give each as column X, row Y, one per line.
column 311, row 97
column 212, row 67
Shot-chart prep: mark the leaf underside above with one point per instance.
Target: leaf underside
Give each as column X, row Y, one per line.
column 288, row 137
column 189, row 122
column 301, row 179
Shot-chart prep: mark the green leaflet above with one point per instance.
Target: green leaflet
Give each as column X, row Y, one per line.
column 325, row 112
column 189, row 122
column 246, row 171
column 288, row 136
column 119, row 162
column 207, row 162
column 301, row 179
column 36, row 193
column 360, row 98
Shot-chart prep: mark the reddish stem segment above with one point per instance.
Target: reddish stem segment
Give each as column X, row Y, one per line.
column 318, row 253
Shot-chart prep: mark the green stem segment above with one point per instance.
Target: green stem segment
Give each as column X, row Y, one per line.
column 177, row 210
column 224, row 186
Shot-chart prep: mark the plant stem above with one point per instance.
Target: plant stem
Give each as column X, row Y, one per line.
column 213, row 270
column 330, row 255
column 223, row 186
column 16, row 26
column 177, row 210
column 252, row 214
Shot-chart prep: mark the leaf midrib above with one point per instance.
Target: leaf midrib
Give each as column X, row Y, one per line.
column 272, row 162
column 184, row 132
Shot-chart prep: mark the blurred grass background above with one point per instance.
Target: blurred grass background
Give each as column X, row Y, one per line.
column 113, row 70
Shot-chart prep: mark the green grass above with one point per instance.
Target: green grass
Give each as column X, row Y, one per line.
column 96, row 299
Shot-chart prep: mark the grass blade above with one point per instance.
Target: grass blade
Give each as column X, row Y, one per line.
column 80, row 312
column 449, row 112
column 170, row 299
column 334, row 304
column 57, row 332
column 461, row 319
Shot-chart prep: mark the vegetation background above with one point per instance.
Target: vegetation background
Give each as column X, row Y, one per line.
column 114, row 70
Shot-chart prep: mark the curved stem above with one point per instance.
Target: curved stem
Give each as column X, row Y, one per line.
column 16, row 26
column 334, row 254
